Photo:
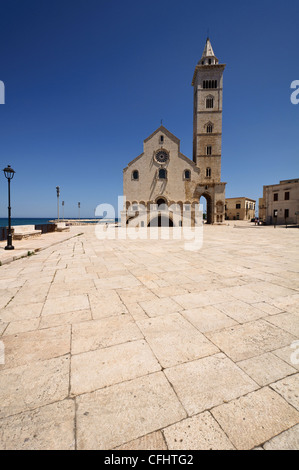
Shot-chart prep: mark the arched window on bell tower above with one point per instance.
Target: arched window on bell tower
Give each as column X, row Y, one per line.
column 209, row 127
column 210, row 102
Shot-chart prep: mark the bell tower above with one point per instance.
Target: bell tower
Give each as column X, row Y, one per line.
column 207, row 130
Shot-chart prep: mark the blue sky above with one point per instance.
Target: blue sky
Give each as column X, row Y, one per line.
column 88, row 80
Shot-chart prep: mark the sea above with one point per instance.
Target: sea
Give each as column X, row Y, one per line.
column 36, row 221
column 25, row 221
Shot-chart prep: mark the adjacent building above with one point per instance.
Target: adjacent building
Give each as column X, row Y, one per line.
column 241, row 208
column 280, row 203
column 162, row 175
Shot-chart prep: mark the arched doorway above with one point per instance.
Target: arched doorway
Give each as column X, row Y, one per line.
column 208, row 207
column 161, row 221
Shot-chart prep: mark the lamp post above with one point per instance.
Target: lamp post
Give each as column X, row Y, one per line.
column 9, row 174
column 58, row 193
column 79, row 205
column 62, row 210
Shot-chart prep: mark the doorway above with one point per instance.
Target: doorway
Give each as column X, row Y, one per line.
column 206, row 200
column 161, row 221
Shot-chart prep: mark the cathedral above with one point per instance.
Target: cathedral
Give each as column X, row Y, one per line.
column 163, row 177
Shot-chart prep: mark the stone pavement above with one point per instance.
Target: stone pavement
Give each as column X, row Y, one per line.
column 33, row 244
column 133, row 344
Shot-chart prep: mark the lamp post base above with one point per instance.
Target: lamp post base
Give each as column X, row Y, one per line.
column 9, row 247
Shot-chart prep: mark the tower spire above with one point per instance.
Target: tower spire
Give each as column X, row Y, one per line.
column 208, row 57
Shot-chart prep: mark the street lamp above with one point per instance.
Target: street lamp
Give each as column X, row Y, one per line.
column 9, row 174
column 58, row 193
column 79, row 205
column 62, row 210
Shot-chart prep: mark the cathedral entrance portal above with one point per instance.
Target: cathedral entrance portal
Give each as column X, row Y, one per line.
column 161, row 221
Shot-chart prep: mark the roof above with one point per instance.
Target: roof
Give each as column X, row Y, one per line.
column 237, row 198
column 208, row 50
column 283, row 182
column 170, row 136
column 166, row 132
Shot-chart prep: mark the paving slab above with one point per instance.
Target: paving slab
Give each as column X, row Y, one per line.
column 33, row 385
column 289, row 354
column 254, row 419
column 201, row 299
column 153, row 441
column 289, row 389
column 110, row 331
column 117, row 282
column 97, row 369
column 250, row 339
column 70, row 318
column 173, row 340
column 286, row 321
column 34, row 346
column 21, row 312
column 208, row 318
column 51, row 427
column 207, row 382
column 154, row 308
column 105, row 303
column 67, row 304
column 268, row 308
column 142, row 406
column 200, row 432
column 22, row 326
column 287, row 440
column 241, row 312
column 266, row 368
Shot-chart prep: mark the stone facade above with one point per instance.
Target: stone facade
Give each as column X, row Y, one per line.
column 162, row 174
column 280, row 203
column 241, row 208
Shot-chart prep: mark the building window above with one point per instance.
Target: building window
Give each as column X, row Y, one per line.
column 209, row 129
column 209, row 84
column 135, row 175
column 275, row 213
column 286, row 213
column 161, row 139
column 187, row 175
column 275, row 197
column 208, row 172
column 209, row 150
column 287, row 196
column 210, row 103
column 238, row 206
column 162, row 174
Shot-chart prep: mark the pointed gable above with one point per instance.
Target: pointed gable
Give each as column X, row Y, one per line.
column 166, row 132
